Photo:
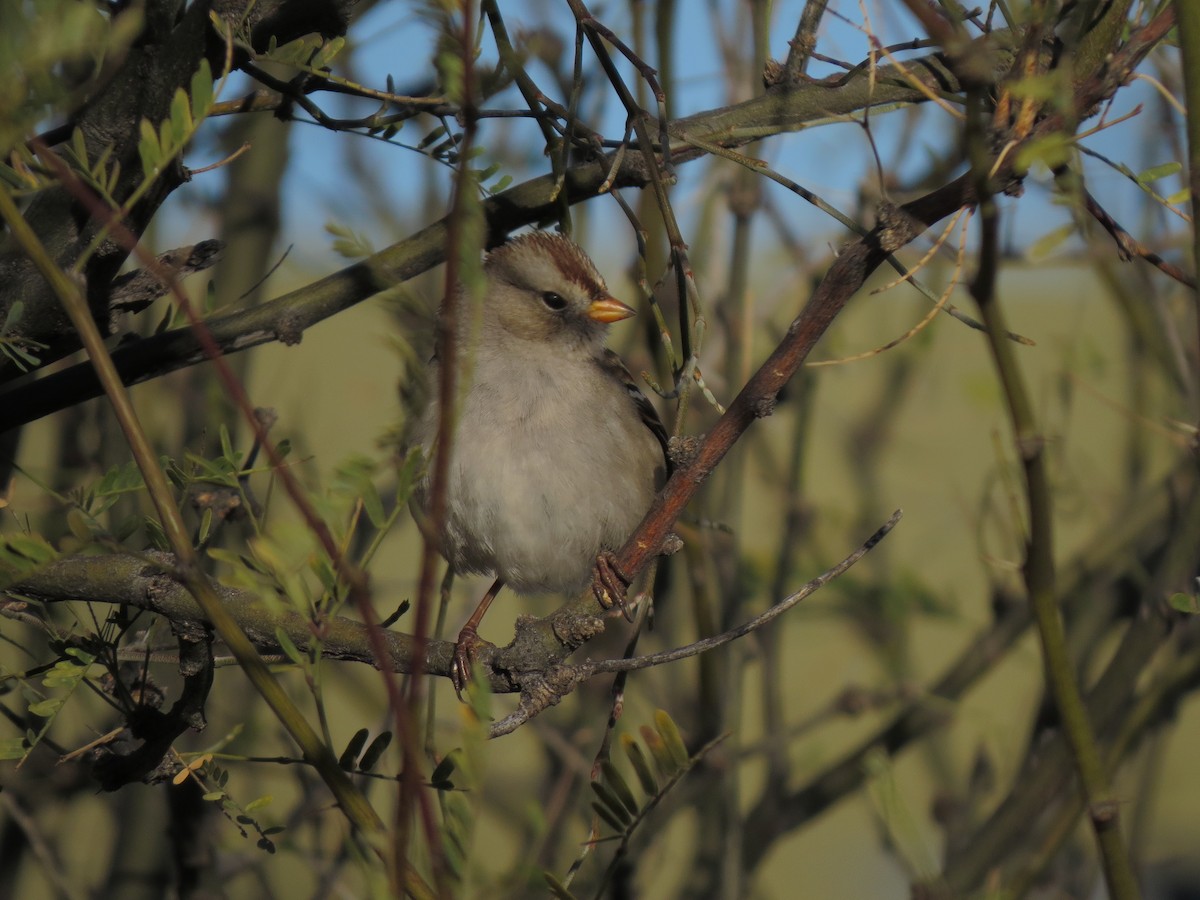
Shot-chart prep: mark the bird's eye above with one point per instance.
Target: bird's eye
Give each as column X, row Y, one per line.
column 554, row 301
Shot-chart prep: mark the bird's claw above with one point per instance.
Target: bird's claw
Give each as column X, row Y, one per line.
column 610, row 584
column 466, row 652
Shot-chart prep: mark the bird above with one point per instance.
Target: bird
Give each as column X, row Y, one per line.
column 556, row 453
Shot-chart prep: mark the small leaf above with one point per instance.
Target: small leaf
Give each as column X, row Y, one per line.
column 80, row 654
column 1051, row 150
column 670, row 734
column 610, row 799
column 290, row 650
column 604, row 813
column 202, row 91
column 181, row 118
column 13, row 748
column 14, row 316
column 226, row 442
column 206, row 521
column 368, row 760
column 557, row 888
column 79, row 147
column 641, row 765
column 325, row 55
column 79, row 525
column 616, row 781
column 440, row 777
column 663, row 761
column 1156, row 173
column 1184, row 603
column 353, row 748
column 1048, row 243
column 46, row 708
column 259, row 803
column 148, row 149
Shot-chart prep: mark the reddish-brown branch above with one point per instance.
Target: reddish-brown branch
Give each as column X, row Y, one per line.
column 896, row 228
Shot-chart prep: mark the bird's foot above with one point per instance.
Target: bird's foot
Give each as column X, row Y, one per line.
column 610, row 584
column 466, row 651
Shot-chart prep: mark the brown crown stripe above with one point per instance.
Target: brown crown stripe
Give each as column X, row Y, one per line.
column 567, row 255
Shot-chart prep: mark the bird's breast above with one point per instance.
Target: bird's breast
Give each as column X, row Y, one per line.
column 542, row 479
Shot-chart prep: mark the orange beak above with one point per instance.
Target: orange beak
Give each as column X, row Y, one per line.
column 609, row 309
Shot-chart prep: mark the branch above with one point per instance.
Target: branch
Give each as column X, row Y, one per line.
column 561, row 680
column 285, row 319
column 144, row 582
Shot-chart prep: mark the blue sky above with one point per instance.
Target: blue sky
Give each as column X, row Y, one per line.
column 833, row 161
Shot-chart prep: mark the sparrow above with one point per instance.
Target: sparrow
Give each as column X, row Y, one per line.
column 556, row 453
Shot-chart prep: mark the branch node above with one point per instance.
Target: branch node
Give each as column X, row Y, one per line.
column 764, row 406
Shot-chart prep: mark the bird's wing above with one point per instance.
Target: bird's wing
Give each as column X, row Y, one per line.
column 615, row 368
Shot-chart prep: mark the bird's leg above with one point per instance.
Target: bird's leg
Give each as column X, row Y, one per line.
column 469, row 641
column 610, row 584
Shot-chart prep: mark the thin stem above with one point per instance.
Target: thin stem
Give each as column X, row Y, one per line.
column 1188, row 15
column 354, row 805
column 1038, row 570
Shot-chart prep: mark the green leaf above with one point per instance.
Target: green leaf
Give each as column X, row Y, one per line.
column 1155, row 173
column 557, row 888
column 181, row 118
column 435, row 135
column 46, row 708
column 324, row 572
column 616, row 781
column 79, row 147
column 325, row 55
column 226, row 442
column 290, row 650
column 13, row 317
column 1184, row 603
column 165, row 141
column 663, row 762
column 609, row 799
column 80, row 525
column 641, row 765
column 202, row 91
column 259, row 802
column 1045, row 87
column 13, row 748
column 671, row 737
column 297, row 52
column 1048, row 243
column 21, row 554
column 205, row 529
column 604, row 813
column 1051, row 150
column 149, row 149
